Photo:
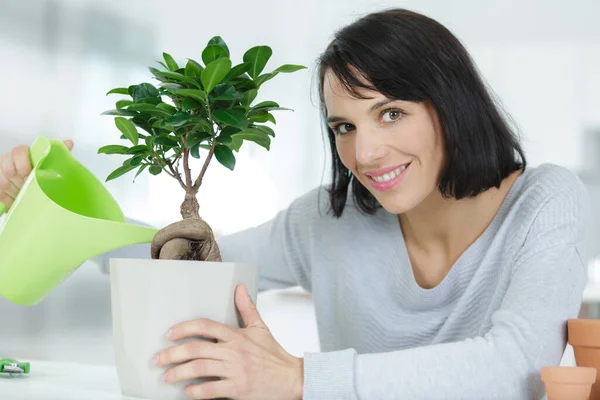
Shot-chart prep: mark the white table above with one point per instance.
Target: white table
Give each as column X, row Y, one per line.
column 50, row 380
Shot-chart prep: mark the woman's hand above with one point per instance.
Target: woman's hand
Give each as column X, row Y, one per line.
column 248, row 361
column 15, row 167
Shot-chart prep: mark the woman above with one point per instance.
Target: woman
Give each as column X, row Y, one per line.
column 439, row 265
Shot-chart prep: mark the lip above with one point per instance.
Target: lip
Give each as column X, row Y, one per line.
column 384, row 171
column 385, row 186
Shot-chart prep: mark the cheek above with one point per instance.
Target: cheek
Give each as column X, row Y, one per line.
column 345, row 150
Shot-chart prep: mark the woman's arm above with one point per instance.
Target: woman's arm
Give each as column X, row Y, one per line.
column 275, row 246
column 528, row 330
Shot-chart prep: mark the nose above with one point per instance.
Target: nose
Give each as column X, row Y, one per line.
column 370, row 147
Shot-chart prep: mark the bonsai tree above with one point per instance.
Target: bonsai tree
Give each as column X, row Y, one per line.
column 200, row 110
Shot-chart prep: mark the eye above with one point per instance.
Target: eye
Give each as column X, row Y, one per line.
column 342, row 129
column 392, row 115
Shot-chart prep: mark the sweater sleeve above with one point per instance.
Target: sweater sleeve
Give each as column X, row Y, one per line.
column 278, row 246
column 528, row 330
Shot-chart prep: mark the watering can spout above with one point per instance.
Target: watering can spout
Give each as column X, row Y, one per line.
column 111, row 235
column 62, row 217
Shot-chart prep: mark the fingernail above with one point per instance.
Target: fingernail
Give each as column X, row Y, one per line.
column 165, row 377
column 169, row 333
column 156, row 359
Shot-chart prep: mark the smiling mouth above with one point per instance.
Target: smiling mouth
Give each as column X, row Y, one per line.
column 387, row 177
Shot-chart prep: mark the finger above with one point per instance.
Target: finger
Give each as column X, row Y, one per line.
column 247, row 309
column 69, row 144
column 203, row 327
column 20, row 156
column 10, row 172
column 196, row 369
column 211, row 390
column 189, row 351
column 6, row 200
column 8, row 188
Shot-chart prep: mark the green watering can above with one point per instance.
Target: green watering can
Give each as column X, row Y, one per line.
column 62, row 217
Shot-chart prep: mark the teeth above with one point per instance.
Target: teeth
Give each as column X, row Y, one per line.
column 390, row 175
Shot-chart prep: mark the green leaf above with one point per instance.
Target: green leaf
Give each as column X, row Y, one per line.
column 225, row 91
column 190, row 104
column 265, row 104
column 212, row 53
column 228, row 131
column 289, row 68
column 235, row 144
column 193, row 93
column 149, row 141
column 218, row 41
column 238, row 70
column 155, row 170
column 242, row 84
column 144, row 90
column 179, row 77
column 140, row 170
column 235, row 118
column 166, row 141
column 122, row 170
column 225, row 156
column 143, row 123
column 257, row 56
column 193, row 69
column 167, row 107
column 265, row 77
column 128, row 129
column 150, row 100
column 264, row 129
column 195, row 151
column 177, row 119
column 142, row 107
column 255, row 136
column 170, row 62
column 137, row 149
column 163, row 64
column 137, row 161
column 260, row 116
column 113, row 149
column 172, row 86
column 214, row 73
column 123, row 103
column 118, row 91
column 271, row 117
column 131, row 89
column 123, row 113
column 154, row 72
column 196, row 138
column 249, row 97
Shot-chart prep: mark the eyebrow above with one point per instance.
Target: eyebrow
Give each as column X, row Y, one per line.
column 374, row 107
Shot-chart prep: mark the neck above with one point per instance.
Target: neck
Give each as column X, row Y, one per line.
column 448, row 225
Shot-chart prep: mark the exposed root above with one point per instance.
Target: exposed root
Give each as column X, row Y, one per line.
column 188, row 239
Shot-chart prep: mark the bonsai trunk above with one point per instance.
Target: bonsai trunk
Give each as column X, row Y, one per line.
column 188, row 239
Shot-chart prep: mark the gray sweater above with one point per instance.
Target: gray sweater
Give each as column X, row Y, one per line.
column 483, row 333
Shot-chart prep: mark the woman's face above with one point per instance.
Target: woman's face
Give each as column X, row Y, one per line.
column 394, row 148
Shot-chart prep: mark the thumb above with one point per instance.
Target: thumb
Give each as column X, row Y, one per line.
column 247, row 309
column 69, row 144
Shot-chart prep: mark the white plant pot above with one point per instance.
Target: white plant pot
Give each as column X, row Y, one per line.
column 150, row 296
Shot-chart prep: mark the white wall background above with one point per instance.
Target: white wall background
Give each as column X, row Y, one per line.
column 59, row 57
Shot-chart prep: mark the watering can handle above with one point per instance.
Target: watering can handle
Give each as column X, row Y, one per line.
column 38, row 150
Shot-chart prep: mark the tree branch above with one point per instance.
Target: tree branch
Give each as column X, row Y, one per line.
column 204, row 167
column 186, row 165
column 173, row 173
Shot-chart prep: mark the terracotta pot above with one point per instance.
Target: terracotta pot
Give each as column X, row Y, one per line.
column 568, row 383
column 584, row 336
